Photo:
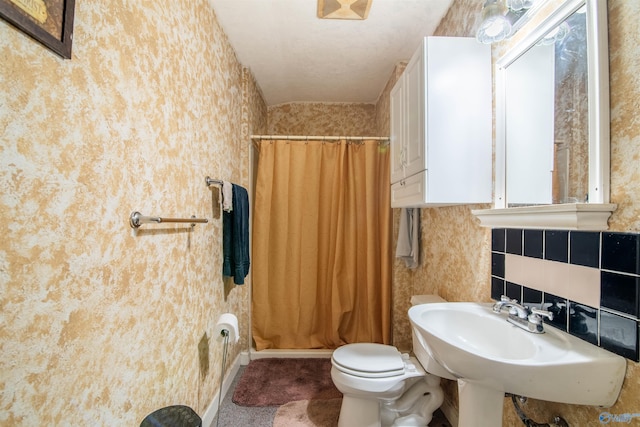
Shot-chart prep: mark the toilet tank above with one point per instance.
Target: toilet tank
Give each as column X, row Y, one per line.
column 420, row 348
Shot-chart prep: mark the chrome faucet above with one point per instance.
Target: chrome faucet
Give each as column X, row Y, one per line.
column 513, row 306
column 528, row 319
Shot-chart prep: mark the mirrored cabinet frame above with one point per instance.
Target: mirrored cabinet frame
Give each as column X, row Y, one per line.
column 593, row 214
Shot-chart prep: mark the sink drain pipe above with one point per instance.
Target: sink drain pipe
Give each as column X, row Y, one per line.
column 557, row 420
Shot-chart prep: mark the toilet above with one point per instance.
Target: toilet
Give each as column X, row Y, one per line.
column 382, row 387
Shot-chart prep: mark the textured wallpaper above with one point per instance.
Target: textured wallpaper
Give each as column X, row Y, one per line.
column 102, row 324
column 322, row 119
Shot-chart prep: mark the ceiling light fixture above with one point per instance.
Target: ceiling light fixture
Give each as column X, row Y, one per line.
column 494, row 26
column 501, row 19
column 344, row 9
column 520, row 4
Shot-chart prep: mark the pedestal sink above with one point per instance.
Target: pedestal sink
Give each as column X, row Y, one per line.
column 491, row 357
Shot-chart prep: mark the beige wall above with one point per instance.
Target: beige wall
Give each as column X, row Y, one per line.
column 101, row 324
column 455, row 258
column 322, row 119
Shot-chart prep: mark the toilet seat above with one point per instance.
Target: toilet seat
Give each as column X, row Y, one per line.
column 369, row 360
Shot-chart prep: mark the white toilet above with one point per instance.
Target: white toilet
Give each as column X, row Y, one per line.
column 382, row 387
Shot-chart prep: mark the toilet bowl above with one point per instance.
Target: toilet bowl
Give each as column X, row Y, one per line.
column 382, row 387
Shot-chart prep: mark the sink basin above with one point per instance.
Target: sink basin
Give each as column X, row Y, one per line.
column 490, row 357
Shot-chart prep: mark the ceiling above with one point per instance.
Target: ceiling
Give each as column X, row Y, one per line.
column 297, row 57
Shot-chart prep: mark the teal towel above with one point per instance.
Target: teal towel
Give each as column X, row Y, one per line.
column 235, row 237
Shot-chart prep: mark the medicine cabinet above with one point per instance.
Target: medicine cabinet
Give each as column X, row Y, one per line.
column 441, row 150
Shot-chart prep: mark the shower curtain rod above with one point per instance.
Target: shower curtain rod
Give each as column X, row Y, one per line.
column 321, row 138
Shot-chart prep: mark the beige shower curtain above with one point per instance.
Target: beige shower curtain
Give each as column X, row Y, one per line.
column 321, row 244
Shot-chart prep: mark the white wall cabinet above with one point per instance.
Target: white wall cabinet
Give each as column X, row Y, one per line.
column 441, row 125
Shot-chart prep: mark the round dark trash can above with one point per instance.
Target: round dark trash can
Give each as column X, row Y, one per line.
column 172, row 416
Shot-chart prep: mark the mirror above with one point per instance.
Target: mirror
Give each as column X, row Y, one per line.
column 552, row 111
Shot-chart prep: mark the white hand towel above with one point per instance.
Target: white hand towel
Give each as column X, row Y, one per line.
column 227, row 196
column 408, row 245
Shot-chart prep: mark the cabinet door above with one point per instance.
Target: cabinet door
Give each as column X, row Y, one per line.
column 415, row 114
column 409, row 192
column 459, row 124
column 397, row 131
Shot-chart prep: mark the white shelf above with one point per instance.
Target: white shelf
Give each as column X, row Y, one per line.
column 571, row 216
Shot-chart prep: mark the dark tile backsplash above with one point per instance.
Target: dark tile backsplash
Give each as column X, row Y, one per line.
column 514, row 241
column 498, row 239
column 615, row 325
column 497, row 288
column 583, row 322
column 532, row 297
column 556, row 245
column 514, row 291
column 534, row 243
column 558, row 306
column 497, row 264
column 619, row 335
column 620, row 252
column 619, row 292
column 584, row 248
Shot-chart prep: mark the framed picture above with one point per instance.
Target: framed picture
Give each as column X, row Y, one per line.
column 48, row 21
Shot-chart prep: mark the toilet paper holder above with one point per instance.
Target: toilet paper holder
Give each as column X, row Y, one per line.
column 227, row 327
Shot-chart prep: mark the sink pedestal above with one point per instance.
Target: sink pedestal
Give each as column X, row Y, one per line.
column 480, row 406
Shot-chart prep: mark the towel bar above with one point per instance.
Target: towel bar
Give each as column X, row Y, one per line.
column 211, row 181
column 136, row 219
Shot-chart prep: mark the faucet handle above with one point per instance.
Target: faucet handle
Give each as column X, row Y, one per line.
column 504, row 298
column 497, row 306
column 536, row 315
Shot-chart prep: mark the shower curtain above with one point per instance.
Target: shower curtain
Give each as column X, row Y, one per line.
column 321, row 244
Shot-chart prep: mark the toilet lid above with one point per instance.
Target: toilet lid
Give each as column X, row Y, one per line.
column 368, row 360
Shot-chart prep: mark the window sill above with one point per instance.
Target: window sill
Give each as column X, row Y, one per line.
column 571, row 216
